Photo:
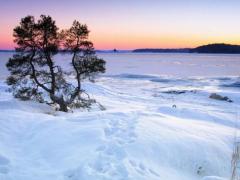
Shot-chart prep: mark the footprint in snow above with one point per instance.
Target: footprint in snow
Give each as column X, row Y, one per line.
column 110, row 161
column 142, row 169
column 121, row 131
column 111, row 158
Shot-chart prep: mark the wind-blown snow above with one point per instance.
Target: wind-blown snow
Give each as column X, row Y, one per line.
column 145, row 133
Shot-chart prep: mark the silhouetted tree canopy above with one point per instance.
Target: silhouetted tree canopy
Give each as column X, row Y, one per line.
column 34, row 73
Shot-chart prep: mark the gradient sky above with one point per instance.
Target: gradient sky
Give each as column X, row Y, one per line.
column 130, row 24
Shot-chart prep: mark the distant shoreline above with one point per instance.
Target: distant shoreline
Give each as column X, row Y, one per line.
column 184, row 50
column 218, row 48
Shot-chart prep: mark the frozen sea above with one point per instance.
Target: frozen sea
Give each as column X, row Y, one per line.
column 163, row 64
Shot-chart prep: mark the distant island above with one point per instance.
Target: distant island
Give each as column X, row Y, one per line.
column 220, row 48
column 217, row 48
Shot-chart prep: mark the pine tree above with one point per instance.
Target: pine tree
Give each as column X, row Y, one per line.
column 35, row 75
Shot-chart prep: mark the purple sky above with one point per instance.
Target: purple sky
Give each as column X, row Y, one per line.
column 129, row 24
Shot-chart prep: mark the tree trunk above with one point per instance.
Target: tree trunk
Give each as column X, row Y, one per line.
column 63, row 107
column 60, row 101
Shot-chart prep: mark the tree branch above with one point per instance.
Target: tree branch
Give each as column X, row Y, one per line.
column 34, row 74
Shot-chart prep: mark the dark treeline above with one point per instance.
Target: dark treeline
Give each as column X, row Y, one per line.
column 217, row 48
column 210, row 48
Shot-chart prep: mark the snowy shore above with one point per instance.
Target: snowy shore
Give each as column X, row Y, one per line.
column 148, row 131
column 155, row 127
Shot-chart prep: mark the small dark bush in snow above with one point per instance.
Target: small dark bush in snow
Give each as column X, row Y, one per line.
column 219, row 97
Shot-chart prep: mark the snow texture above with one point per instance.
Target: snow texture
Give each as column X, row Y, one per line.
column 147, row 132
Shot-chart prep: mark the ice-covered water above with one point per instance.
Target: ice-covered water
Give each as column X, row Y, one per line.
column 173, row 64
column 164, row 64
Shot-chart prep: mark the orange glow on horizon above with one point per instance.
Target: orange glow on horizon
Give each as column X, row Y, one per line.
column 127, row 42
column 143, row 24
column 134, row 40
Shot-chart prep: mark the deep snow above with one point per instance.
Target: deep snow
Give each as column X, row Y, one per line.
column 144, row 133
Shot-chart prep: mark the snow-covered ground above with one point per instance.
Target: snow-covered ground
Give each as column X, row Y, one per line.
column 147, row 132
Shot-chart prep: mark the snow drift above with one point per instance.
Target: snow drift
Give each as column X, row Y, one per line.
column 148, row 131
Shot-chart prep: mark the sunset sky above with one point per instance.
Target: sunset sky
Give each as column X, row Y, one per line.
column 130, row 24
